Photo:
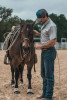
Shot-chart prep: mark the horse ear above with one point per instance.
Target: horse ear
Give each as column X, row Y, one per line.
column 22, row 22
column 33, row 23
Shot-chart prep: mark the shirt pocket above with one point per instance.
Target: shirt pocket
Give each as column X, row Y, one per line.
column 44, row 32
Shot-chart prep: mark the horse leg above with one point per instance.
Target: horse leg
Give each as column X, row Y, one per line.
column 29, row 91
column 21, row 74
column 12, row 81
column 16, row 81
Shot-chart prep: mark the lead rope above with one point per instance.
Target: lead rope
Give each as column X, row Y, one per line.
column 59, row 77
column 13, row 42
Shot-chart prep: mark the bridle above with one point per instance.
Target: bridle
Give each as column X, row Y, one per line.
column 23, row 49
column 26, row 39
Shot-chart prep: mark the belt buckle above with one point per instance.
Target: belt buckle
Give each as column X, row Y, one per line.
column 44, row 49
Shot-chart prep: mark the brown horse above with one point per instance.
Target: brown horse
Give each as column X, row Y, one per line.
column 22, row 52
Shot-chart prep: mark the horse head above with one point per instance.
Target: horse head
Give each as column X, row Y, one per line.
column 26, row 30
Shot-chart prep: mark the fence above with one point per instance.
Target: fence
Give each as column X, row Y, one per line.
column 59, row 45
column 1, row 45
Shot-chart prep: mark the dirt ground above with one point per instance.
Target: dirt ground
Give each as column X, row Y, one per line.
column 7, row 93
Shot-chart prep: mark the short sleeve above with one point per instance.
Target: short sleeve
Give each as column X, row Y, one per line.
column 53, row 32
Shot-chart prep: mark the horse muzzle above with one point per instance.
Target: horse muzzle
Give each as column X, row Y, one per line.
column 26, row 49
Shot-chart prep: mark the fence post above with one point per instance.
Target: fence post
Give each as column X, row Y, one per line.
column 1, row 45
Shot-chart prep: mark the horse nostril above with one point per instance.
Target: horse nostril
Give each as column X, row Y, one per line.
column 26, row 48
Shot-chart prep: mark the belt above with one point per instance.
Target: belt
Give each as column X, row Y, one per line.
column 44, row 48
column 47, row 48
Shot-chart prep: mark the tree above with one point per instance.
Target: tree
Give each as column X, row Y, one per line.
column 6, row 21
column 5, row 13
column 61, row 23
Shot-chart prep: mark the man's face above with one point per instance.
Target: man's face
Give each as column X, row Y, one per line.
column 42, row 20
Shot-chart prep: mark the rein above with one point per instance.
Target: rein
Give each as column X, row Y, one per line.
column 25, row 53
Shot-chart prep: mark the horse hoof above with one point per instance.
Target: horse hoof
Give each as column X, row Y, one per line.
column 29, row 91
column 6, row 63
column 16, row 91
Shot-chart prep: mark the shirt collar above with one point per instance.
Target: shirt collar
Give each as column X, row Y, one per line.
column 44, row 25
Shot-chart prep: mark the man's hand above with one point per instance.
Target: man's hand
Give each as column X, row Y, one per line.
column 37, row 46
column 36, row 33
column 49, row 44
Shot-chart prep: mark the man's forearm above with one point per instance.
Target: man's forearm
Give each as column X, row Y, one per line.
column 51, row 43
column 36, row 33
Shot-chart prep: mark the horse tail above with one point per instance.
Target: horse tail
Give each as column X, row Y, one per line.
column 34, row 65
column 35, row 61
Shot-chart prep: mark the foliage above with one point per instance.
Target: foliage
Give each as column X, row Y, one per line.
column 61, row 23
column 7, row 21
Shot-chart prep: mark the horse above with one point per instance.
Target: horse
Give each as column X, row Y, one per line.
column 22, row 52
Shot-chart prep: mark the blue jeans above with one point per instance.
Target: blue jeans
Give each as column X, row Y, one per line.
column 47, row 71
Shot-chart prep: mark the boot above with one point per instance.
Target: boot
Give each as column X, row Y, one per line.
column 41, row 97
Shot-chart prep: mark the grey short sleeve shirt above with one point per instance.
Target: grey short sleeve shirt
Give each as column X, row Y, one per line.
column 48, row 31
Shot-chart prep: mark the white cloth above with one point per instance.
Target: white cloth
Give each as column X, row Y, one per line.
column 48, row 31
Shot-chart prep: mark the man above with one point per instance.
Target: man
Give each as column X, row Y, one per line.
column 48, row 55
